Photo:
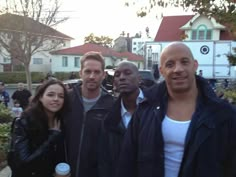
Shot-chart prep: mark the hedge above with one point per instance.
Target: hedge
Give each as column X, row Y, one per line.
column 15, row 77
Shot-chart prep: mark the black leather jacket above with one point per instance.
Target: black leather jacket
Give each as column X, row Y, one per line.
column 34, row 153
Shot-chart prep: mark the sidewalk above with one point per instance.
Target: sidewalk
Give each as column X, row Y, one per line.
column 5, row 172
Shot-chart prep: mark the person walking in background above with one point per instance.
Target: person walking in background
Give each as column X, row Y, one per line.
column 72, row 75
column 89, row 106
column 22, row 95
column 183, row 129
column 200, row 73
column 37, row 143
column 127, row 80
column 4, row 96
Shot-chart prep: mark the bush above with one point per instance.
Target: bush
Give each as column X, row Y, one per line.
column 5, row 114
column 64, row 75
column 5, row 129
column 230, row 95
column 15, row 77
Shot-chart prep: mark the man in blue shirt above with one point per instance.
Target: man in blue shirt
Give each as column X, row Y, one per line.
column 4, row 96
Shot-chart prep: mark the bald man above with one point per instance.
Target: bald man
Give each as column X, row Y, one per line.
column 182, row 129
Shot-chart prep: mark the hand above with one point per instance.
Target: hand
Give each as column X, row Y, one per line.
column 55, row 125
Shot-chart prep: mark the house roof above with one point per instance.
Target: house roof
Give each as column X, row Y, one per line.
column 169, row 29
column 105, row 51
column 12, row 22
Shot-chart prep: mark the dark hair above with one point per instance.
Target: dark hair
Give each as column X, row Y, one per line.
column 38, row 117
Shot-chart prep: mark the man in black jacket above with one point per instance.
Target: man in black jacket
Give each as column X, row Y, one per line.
column 89, row 106
column 127, row 80
column 183, row 129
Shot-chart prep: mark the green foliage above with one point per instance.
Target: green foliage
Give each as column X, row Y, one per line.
column 64, row 75
column 5, row 114
column 232, row 59
column 224, row 11
column 230, row 95
column 103, row 40
column 15, row 77
column 5, row 129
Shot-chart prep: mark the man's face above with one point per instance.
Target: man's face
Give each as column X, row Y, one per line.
column 92, row 75
column 178, row 68
column 126, row 78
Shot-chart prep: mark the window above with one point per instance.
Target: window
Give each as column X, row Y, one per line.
column 77, row 62
column 64, row 61
column 6, row 60
column 37, row 61
column 201, row 33
column 208, row 36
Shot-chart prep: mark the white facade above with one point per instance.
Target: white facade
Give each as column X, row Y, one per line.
column 138, row 45
column 205, row 28
column 211, row 56
column 69, row 63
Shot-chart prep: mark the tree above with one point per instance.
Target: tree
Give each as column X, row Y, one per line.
column 25, row 29
column 103, row 40
column 224, row 11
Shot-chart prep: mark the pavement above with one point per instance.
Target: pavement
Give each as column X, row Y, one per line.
column 5, row 172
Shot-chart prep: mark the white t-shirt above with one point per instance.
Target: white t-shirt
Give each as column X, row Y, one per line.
column 16, row 111
column 174, row 133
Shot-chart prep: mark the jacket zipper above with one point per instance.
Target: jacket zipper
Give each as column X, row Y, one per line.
column 80, row 145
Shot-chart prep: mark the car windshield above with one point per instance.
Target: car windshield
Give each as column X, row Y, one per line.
column 146, row 75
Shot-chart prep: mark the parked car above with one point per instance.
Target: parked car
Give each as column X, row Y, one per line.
column 147, row 78
column 71, row 82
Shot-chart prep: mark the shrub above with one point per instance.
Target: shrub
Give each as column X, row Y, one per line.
column 4, row 141
column 15, row 77
column 230, row 95
column 5, row 114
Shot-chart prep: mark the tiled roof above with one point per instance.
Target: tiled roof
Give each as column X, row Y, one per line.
column 132, row 57
column 105, row 51
column 12, row 22
column 169, row 29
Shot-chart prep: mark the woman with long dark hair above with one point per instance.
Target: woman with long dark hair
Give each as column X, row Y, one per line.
column 37, row 140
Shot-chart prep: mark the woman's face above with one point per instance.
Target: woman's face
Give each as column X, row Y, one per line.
column 53, row 99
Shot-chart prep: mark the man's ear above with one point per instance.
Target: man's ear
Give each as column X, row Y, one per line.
column 195, row 64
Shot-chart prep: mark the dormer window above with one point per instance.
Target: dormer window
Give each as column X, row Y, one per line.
column 201, row 33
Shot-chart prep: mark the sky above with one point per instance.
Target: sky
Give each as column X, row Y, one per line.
column 107, row 18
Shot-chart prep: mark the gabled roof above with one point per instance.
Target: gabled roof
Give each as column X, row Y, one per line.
column 105, row 51
column 169, row 29
column 12, row 22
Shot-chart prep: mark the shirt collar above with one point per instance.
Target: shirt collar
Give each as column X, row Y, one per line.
column 138, row 100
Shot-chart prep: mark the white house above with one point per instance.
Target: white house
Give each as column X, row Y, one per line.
column 68, row 60
column 41, row 60
column 209, row 41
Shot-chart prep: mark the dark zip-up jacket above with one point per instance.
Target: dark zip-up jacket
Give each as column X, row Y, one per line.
column 111, row 140
column 82, row 133
column 34, row 153
column 210, row 145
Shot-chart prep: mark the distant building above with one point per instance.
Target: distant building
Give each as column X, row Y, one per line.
column 67, row 60
column 41, row 60
column 209, row 41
